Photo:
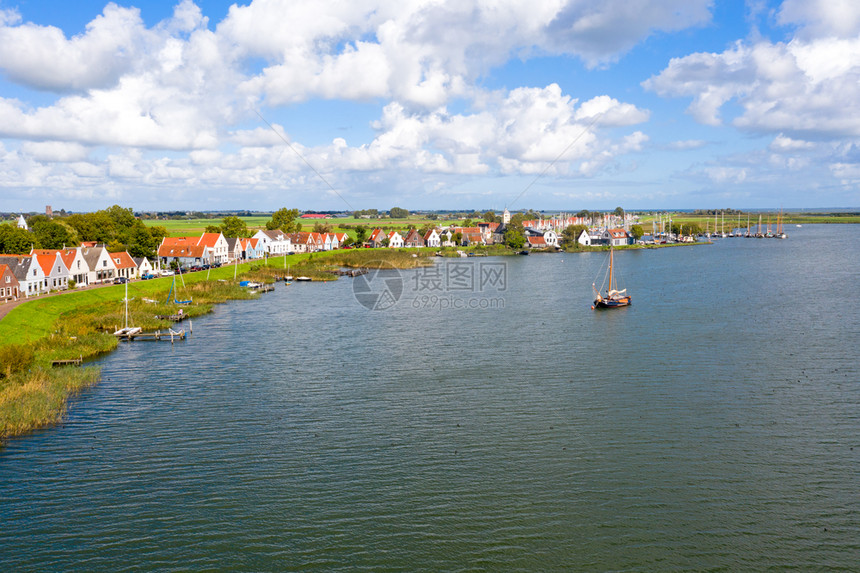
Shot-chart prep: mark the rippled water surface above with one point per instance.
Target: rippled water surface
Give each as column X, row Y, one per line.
column 715, row 424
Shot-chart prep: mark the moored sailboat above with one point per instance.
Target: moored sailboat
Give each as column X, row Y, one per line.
column 613, row 297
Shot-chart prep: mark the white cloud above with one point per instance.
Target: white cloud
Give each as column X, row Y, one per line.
column 43, row 58
column 59, row 151
column 821, row 18
column 804, row 89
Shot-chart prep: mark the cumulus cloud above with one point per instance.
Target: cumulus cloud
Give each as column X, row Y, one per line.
column 43, row 58
column 822, row 18
column 803, row 89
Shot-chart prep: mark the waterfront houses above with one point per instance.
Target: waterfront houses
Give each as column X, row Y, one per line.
column 144, row 267
column 274, row 242
column 77, row 265
column 615, row 237
column 413, row 239
column 395, row 240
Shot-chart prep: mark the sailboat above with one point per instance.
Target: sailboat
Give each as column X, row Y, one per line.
column 173, row 292
column 127, row 330
column 613, row 297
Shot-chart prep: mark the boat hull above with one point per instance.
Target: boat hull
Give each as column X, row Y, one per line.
column 612, row 303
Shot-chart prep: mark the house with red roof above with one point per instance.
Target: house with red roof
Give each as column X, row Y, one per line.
column 536, row 242
column 376, row 238
column 125, row 265
column 432, row 238
column 216, row 247
column 395, row 240
column 616, row 237
column 74, row 262
column 413, row 239
column 9, row 286
column 56, row 273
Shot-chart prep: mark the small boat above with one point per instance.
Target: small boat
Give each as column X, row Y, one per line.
column 127, row 330
column 523, row 253
column 613, row 298
column 303, row 279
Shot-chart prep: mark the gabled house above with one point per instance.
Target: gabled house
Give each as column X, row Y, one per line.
column 317, row 241
column 342, row 239
column 144, row 267
column 302, row 242
column 22, row 223
column 56, row 273
column 31, row 277
column 274, row 242
column 395, row 240
column 447, row 238
column 413, row 239
column 77, row 265
column 125, row 265
column 615, row 237
column 432, row 239
column 99, row 264
column 216, row 249
column 584, row 238
column 9, row 286
column 551, row 238
column 253, row 249
column 235, row 248
column 183, row 255
column 377, row 236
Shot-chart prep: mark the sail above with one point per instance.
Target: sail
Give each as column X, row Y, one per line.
column 614, row 293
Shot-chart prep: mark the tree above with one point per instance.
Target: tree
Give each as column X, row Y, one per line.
column 514, row 239
column 360, row 234
column 15, row 241
column 322, row 228
column 54, row 235
column 467, row 223
column 285, row 220
column 398, row 213
column 212, row 229
column 619, row 211
column 234, row 227
column 570, row 235
column 490, row 217
column 637, row 231
column 457, row 238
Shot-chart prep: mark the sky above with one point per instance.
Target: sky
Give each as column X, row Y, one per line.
column 556, row 105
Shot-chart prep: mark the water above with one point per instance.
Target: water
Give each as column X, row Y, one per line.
column 714, row 424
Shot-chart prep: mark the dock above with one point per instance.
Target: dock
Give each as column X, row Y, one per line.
column 169, row 336
column 72, row 362
column 349, row 273
column 172, row 317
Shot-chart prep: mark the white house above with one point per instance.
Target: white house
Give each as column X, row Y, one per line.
column 584, row 238
column 616, row 237
column 99, row 264
column 551, row 238
column 395, row 241
column 144, row 267
column 56, row 273
column 215, row 248
column 432, row 239
column 22, row 223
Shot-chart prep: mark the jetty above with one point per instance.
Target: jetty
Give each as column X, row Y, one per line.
column 71, row 362
column 349, row 272
column 171, row 335
column 172, row 317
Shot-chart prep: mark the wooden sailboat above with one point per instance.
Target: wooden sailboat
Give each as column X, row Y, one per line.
column 613, row 297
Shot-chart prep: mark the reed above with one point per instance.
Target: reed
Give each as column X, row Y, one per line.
column 37, row 398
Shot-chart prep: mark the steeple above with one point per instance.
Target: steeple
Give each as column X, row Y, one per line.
column 506, row 217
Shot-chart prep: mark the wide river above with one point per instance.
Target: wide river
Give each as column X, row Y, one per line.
column 712, row 425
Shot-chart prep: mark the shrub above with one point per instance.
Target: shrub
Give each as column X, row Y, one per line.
column 15, row 358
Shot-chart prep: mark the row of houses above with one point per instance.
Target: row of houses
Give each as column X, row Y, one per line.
column 212, row 248
column 46, row 270
column 493, row 233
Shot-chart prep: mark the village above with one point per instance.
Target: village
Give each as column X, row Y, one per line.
column 43, row 271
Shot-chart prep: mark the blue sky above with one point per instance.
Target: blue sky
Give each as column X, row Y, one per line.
column 553, row 105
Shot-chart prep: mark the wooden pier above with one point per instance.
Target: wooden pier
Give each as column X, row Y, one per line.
column 172, row 317
column 73, row 362
column 169, row 336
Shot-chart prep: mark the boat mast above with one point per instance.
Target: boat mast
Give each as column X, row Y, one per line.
column 611, row 252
